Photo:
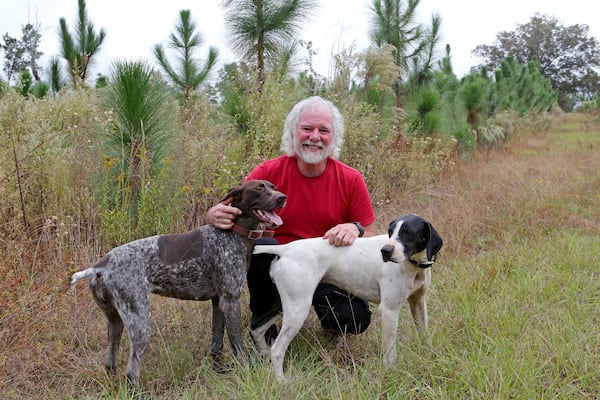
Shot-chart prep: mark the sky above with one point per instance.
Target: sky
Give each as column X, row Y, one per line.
column 133, row 27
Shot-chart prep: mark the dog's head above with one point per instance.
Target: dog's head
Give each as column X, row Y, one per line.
column 414, row 239
column 258, row 201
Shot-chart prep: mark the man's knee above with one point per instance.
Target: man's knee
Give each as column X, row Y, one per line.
column 264, row 298
column 340, row 311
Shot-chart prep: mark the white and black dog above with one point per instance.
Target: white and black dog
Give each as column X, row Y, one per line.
column 385, row 269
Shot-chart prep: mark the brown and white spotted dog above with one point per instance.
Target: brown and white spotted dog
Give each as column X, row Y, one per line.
column 204, row 264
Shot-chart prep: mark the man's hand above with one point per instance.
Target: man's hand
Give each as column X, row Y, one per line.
column 342, row 234
column 222, row 215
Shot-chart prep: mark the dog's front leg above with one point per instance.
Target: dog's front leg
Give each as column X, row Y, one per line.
column 230, row 307
column 389, row 327
column 218, row 330
column 294, row 315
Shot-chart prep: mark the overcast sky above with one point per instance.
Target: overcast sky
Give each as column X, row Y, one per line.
column 134, row 26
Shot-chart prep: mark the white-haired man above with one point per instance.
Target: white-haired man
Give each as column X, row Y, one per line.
column 326, row 198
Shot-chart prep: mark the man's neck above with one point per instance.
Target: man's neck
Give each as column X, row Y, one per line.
column 311, row 170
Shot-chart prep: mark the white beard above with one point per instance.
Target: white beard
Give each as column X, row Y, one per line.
column 311, row 157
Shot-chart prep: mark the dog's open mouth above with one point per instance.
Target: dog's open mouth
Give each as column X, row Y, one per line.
column 269, row 217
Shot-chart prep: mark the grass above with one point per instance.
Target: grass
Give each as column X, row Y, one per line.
column 514, row 305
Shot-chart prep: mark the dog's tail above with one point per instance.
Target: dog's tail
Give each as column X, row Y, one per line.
column 91, row 271
column 276, row 249
column 85, row 274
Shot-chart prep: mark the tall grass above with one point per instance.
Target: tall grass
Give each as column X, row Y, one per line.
column 514, row 303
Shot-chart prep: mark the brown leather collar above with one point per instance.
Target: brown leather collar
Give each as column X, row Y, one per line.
column 253, row 234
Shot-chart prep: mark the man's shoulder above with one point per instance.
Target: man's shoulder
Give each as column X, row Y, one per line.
column 269, row 169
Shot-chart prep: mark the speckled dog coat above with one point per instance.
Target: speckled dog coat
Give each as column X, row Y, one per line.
column 204, row 264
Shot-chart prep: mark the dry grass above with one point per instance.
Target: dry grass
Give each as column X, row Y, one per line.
column 489, row 211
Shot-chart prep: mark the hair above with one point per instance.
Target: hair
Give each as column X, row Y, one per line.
column 291, row 124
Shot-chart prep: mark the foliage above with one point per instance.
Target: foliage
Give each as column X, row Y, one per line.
column 137, row 145
column 14, row 56
column 467, row 110
column 260, row 29
column 101, row 81
column 379, row 76
column 393, row 22
column 566, row 55
column 188, row 75
column 522, row 87
column 45, row 160
column 24, row 54
column 56, row 79
column 79, row 47
column 25, row 82
column 31, row 42
column 234, row 84
column 423, row 112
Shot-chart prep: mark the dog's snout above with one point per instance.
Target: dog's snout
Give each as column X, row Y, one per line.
column 386, row 252
column 281, row 200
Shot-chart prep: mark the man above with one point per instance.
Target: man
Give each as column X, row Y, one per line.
column 326, row 198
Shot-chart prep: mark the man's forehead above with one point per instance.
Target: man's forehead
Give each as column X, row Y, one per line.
column 318, row 116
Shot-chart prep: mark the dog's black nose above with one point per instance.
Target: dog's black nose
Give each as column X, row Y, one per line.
column 281, row 200
column 386, row 252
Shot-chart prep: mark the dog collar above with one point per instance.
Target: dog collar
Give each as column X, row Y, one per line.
column 253, row 234
column 423, row 265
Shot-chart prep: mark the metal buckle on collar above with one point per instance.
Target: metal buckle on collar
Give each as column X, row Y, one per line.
column 254, row 234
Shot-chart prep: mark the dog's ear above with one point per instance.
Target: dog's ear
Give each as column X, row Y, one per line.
column 232, row 194
column 434, row 242
column 391, row 227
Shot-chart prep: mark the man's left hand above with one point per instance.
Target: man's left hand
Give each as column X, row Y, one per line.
column 342, row 234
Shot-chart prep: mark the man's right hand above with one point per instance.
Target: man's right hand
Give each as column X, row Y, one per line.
column 222, row 215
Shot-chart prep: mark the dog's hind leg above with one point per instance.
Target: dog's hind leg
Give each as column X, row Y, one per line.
column 115, row 331
column 114, row 322
column 138, row 325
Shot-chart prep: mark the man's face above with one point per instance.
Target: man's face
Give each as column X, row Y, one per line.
column 314, row 134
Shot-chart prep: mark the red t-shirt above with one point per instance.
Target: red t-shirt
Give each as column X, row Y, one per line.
column 316, row 204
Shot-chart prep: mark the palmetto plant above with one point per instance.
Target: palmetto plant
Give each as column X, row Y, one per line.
column 187, row 75
column 260, row 29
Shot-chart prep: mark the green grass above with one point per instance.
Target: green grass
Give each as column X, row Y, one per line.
column 519, row 322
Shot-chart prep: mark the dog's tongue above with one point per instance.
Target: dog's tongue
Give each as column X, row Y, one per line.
column 271, row 218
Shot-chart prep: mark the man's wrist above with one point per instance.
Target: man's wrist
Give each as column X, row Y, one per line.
column 361, row 229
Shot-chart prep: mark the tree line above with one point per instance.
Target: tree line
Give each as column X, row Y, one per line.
column 404, row 53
